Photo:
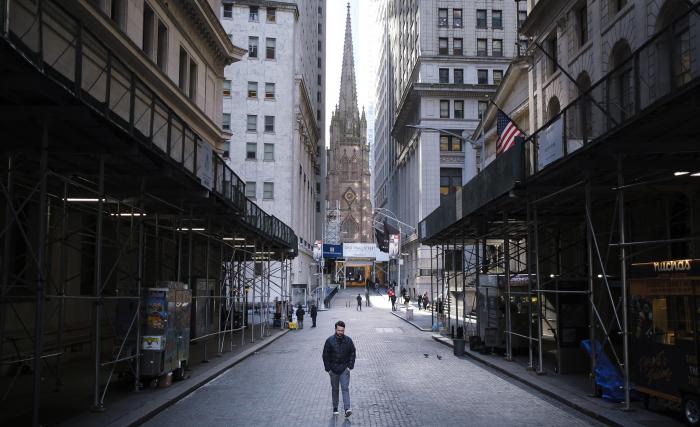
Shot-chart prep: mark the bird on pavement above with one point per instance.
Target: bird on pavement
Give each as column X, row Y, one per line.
column 439, row 357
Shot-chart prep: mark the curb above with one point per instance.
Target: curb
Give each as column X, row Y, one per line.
column 543, row 390
column 412, row 323
column 208, row 378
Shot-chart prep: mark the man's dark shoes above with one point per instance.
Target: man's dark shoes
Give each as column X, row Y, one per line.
column 335, row 411
column 348, row 412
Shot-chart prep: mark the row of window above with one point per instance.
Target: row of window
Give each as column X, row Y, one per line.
column 251, row 151
column 253, row 13
column 481, row 18
column 251, row 123
column 458, row 76
column 450, row 180
column 270, row 47
column 458, row 108
column 481, row 47
column 268, row 190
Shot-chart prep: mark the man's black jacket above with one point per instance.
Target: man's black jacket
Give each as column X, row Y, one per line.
column 338, row 354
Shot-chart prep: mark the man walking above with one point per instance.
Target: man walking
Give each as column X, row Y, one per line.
column 300, row 317
column 359, row 303
column 338, row 360
column 313, row 311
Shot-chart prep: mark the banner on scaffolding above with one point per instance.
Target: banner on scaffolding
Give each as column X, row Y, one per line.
column 394, row 246
column 318, row 250
column 332, row 251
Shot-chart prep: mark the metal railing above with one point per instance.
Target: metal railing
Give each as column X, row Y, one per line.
column 62, row 48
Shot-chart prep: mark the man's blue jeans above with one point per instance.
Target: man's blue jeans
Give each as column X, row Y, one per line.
column 344, row 380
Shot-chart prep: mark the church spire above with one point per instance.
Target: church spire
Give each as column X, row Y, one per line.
column 348, row 93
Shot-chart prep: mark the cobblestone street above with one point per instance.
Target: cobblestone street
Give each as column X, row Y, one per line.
column 393, row 383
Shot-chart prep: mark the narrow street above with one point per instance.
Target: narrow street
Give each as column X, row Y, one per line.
column 393, row 383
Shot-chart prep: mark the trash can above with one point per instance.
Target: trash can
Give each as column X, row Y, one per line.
column 458, row 347
column 409, row 314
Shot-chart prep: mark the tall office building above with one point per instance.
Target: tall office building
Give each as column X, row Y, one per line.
column 273, row 108
column 440, row 61
column 348, row 155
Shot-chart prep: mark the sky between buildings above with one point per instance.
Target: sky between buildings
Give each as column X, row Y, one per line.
column 365, row 37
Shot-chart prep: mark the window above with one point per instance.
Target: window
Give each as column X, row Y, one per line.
column 269, row 124
column 268, row 190
column 320, row 46
column 481, row 109
column 457, row 47
column 522, row 16
column 496, row 19
column 320, row 28
column 252, row 90
column 182, row 70
column 450, row 143
column 444, row 109
column 226, row 121
column 318, row 79
column 458, row 76
column 271, row 14
column 497, row 77
column 616, row 6
column 482, row 77
column 481, row 47
column 250, row 189
column 318, row 115
column 582, row 19
column 269, row 152
column 162, row 52
column 497, row 47
column 251, row 123
column 681, row 57
column 453, row 259
column 442, row 18
column 117, row 12
column 252, row 47
column 459, row 109
column 227, row 88
column 318, row 62
column 253, row 13
column 552, row 50
column 481, row 18
column 270, row 45
column 457, row 18
column 318, row 206
column 148, row 44
column 193, row 80
column 269, row 91
column 444, row 75
column 450, row 180
column 251, row 151
column 442, row 46
column 320, row 10
column 228, row 11
column 318, row 97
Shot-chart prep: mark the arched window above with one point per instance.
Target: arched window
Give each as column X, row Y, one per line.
column 620, row 95
column 673, row 47
column 344, row 167
column 553, row 107
column 349, row 228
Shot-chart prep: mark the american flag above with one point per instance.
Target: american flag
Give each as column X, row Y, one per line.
column 507, row 132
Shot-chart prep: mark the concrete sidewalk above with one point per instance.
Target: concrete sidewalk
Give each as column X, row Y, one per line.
column 569, row 391
column 126, row 408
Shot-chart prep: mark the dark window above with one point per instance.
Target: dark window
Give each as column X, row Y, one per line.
column 162, row 53
column 458, row 76
column 442, row 46
column 497, row 76
column 616, row 6
column 481, row 18
column 318, row 62
column 482, row 77
column 442, row 18
column 444, row 109
column 252, row 89
column 253, row 13
column 148, row 44
column 457, row 18
column 320, row 46
column 269, row 91
column 252, row 47
column 270, row 46
column 450, row 180
column 459, row 109
column 226, row 121
column 250, row 189
column 269, row 123
column 453, row 259
column 252, row 123
column 582, row 25
column 444, row 75
column 450, row 143
column 497, row 47
column 182, row 70
column 552, row 50
column 522, row 16
column 457, row 47
column 193, row 81
column 271, row 14
column 251, row 151
column 496, row 19
column 228, row 11
column 481, row 49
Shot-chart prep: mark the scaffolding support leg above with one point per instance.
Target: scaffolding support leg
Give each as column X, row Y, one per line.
column 536, row 231
column 97, row 402
column 591, row 299
column 506, row 273
column 623, row 278
column 432, row 292
column 528, row 255
column 7, row 245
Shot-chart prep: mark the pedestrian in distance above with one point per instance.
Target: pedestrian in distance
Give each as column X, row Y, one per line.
column 300, row 317
column 359, row 303
column 425, row 301
column 338, row 360
column 393, row 301
column 314, row 312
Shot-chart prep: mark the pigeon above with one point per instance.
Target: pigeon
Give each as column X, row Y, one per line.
column 425, row 354
column 439, row 357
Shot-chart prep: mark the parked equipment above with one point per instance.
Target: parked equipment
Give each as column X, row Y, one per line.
column 165, row 338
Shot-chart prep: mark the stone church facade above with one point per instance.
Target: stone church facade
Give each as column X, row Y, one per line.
column 348, row 179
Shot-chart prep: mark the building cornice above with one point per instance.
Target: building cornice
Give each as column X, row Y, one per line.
column 284, row 5
column 542, row 15
column 211, row 29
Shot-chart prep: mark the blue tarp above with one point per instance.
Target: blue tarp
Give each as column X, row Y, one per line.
column 607, row 377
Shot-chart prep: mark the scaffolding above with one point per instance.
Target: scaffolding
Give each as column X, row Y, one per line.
column 105, row 192
column 619, row 193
